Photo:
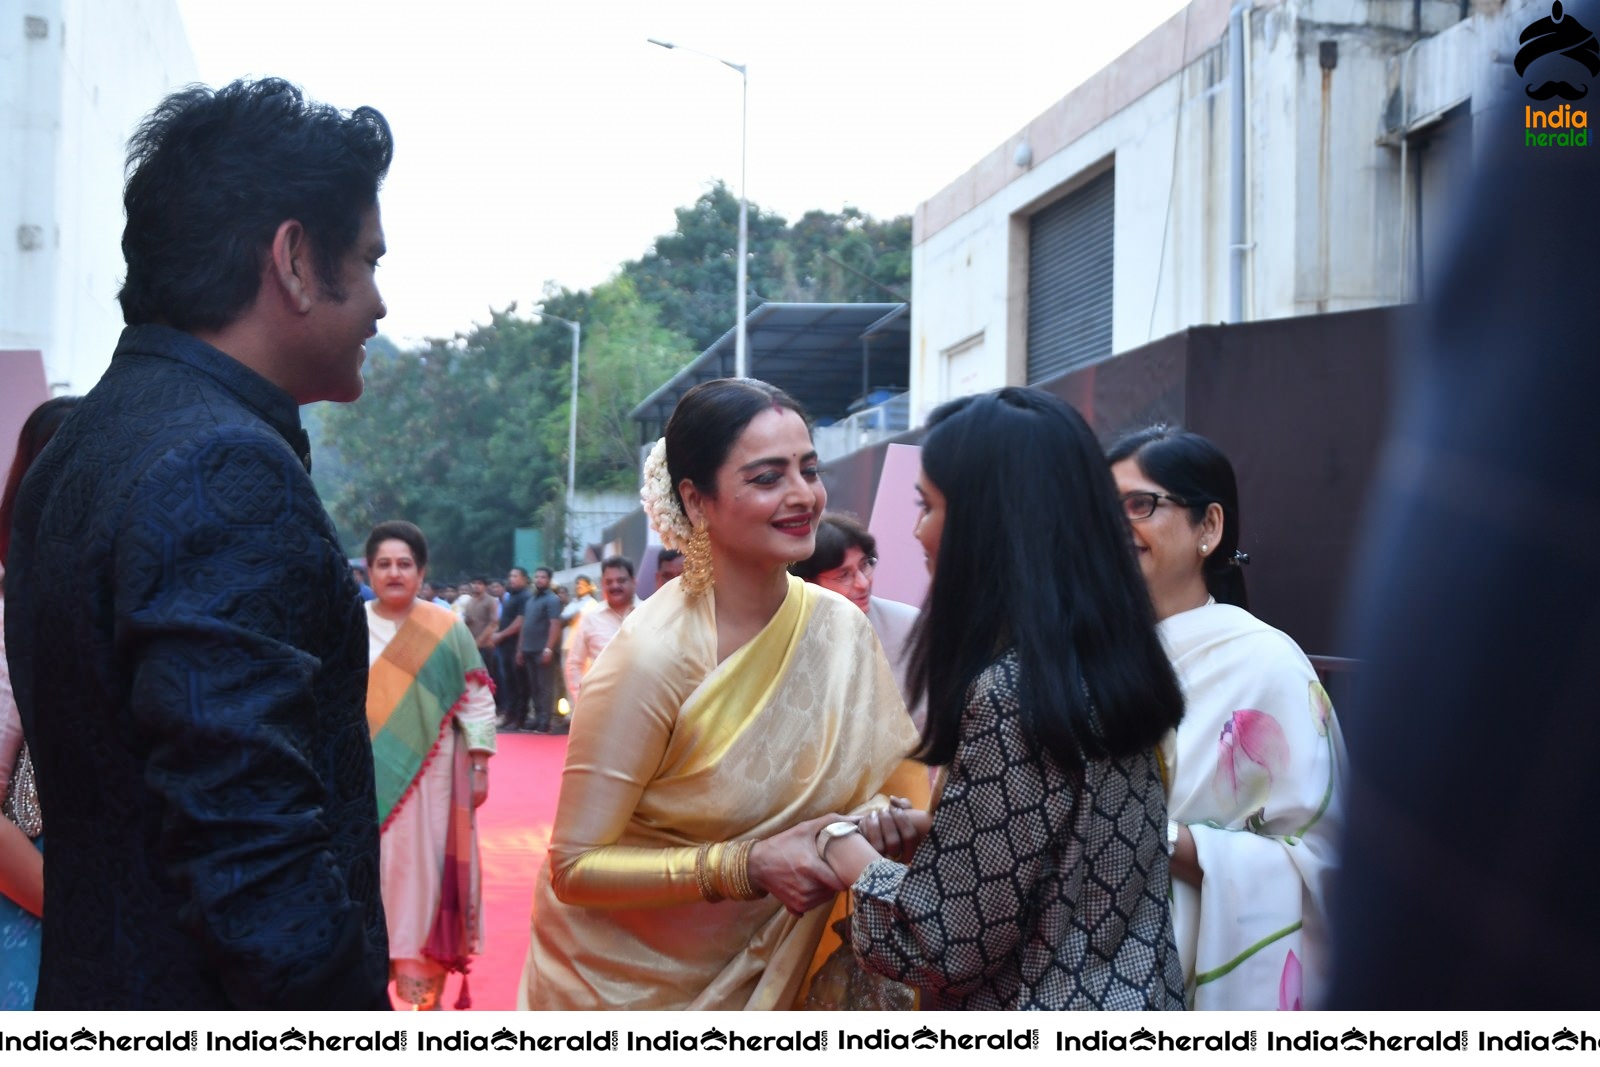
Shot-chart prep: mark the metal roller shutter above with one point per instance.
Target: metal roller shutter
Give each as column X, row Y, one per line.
column 1069, row 280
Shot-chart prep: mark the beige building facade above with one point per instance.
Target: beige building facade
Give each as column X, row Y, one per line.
column 76, row 76
column 1242, row 162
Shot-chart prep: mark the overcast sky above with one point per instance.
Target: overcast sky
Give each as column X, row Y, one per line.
column 548, row 142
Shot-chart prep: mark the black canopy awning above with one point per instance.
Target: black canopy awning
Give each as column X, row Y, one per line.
column 827, row 356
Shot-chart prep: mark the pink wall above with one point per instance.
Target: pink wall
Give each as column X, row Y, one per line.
column 22, row 388
column 902, row 569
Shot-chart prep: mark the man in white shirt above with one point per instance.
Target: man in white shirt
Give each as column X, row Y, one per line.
column 597, row 627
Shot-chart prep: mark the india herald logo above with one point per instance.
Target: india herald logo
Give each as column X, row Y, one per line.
column 1556, row 53
column 1563, row 36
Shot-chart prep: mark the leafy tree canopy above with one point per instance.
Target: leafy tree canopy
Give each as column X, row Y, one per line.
column 690, row 274
column 467, row 437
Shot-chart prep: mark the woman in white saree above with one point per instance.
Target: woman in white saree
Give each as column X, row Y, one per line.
column 736, row 710
column 1257, row 767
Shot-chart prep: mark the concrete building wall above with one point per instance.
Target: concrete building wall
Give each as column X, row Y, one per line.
column 75, row 78
column 30, row 118
column 1346, row 185
column 594, row 513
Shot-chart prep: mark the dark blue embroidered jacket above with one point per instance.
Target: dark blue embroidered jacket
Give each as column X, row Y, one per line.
column 190, row 657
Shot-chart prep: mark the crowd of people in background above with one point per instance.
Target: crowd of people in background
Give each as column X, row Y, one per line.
column 1062, row 749
column 530, row 697
column 238, row 774
column 218, row 732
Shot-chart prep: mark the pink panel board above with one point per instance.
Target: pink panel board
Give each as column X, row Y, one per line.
column 902, row 570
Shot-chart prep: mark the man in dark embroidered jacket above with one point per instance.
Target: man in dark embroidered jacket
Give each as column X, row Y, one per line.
column 186, row 642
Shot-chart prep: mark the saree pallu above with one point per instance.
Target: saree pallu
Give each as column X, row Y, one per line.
column 420, row 681
column 1257, row 771
column 674, row 750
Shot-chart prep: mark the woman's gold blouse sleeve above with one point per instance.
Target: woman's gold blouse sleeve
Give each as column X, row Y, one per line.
column 619, row 734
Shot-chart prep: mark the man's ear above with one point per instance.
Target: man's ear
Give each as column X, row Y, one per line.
column 290, row 264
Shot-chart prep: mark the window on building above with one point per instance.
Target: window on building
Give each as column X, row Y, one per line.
column 1069, row 280
column 962, row 367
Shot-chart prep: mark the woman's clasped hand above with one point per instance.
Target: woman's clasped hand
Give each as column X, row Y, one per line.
column 791, row 867
column 787, row 866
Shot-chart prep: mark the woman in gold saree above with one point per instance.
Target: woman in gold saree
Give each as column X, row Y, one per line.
column 736, row 710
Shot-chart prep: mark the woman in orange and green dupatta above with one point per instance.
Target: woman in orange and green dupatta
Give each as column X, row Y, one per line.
column 430, row 710
column 735, row 711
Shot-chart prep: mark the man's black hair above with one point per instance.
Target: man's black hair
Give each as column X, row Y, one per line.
column 212, row 174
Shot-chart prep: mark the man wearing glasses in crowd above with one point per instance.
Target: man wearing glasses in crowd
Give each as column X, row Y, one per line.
column 846, row 556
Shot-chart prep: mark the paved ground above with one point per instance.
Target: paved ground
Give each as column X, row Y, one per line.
column 513, row 834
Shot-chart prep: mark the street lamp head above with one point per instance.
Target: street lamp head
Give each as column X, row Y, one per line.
column 744, row 226
column 658, row 42
column 556, row 318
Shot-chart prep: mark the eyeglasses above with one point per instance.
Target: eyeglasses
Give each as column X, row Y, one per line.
column 846, row 575
column 1141, row 506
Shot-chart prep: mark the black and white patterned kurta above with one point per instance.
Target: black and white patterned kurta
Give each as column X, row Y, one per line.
column 1028, row 892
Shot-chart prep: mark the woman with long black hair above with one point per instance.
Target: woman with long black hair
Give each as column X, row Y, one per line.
column 1042, row 881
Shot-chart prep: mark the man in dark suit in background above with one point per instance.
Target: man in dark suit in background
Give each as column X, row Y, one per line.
column 1470, row 862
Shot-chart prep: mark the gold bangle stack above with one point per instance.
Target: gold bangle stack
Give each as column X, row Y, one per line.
column 703, row 869
column 722, row 872
column 736, row 873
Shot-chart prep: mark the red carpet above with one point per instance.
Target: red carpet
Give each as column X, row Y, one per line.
column 513, row 834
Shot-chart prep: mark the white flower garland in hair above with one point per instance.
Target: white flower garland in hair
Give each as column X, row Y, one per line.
column 660, row 504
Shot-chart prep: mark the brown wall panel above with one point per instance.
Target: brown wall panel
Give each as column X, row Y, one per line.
column 1300, row 406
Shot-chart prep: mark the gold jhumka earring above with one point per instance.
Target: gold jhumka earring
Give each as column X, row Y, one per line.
column 697, row 562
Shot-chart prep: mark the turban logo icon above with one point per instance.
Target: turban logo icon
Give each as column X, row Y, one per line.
column 1559, row 35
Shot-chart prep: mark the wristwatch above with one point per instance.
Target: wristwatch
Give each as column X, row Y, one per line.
column 831, row 831
column 1172, row 836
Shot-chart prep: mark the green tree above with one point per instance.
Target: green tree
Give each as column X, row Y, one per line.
column 690, row 274
column 467, row 437
column 626, row 355
column 455, row 436
column 846, row 258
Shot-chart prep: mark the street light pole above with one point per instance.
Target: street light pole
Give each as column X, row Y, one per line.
column 572, row 431
column 739, row 356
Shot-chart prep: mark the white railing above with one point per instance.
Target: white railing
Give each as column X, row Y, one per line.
column 865, row 427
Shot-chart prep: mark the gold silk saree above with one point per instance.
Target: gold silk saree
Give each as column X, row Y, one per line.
column 672, row 750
